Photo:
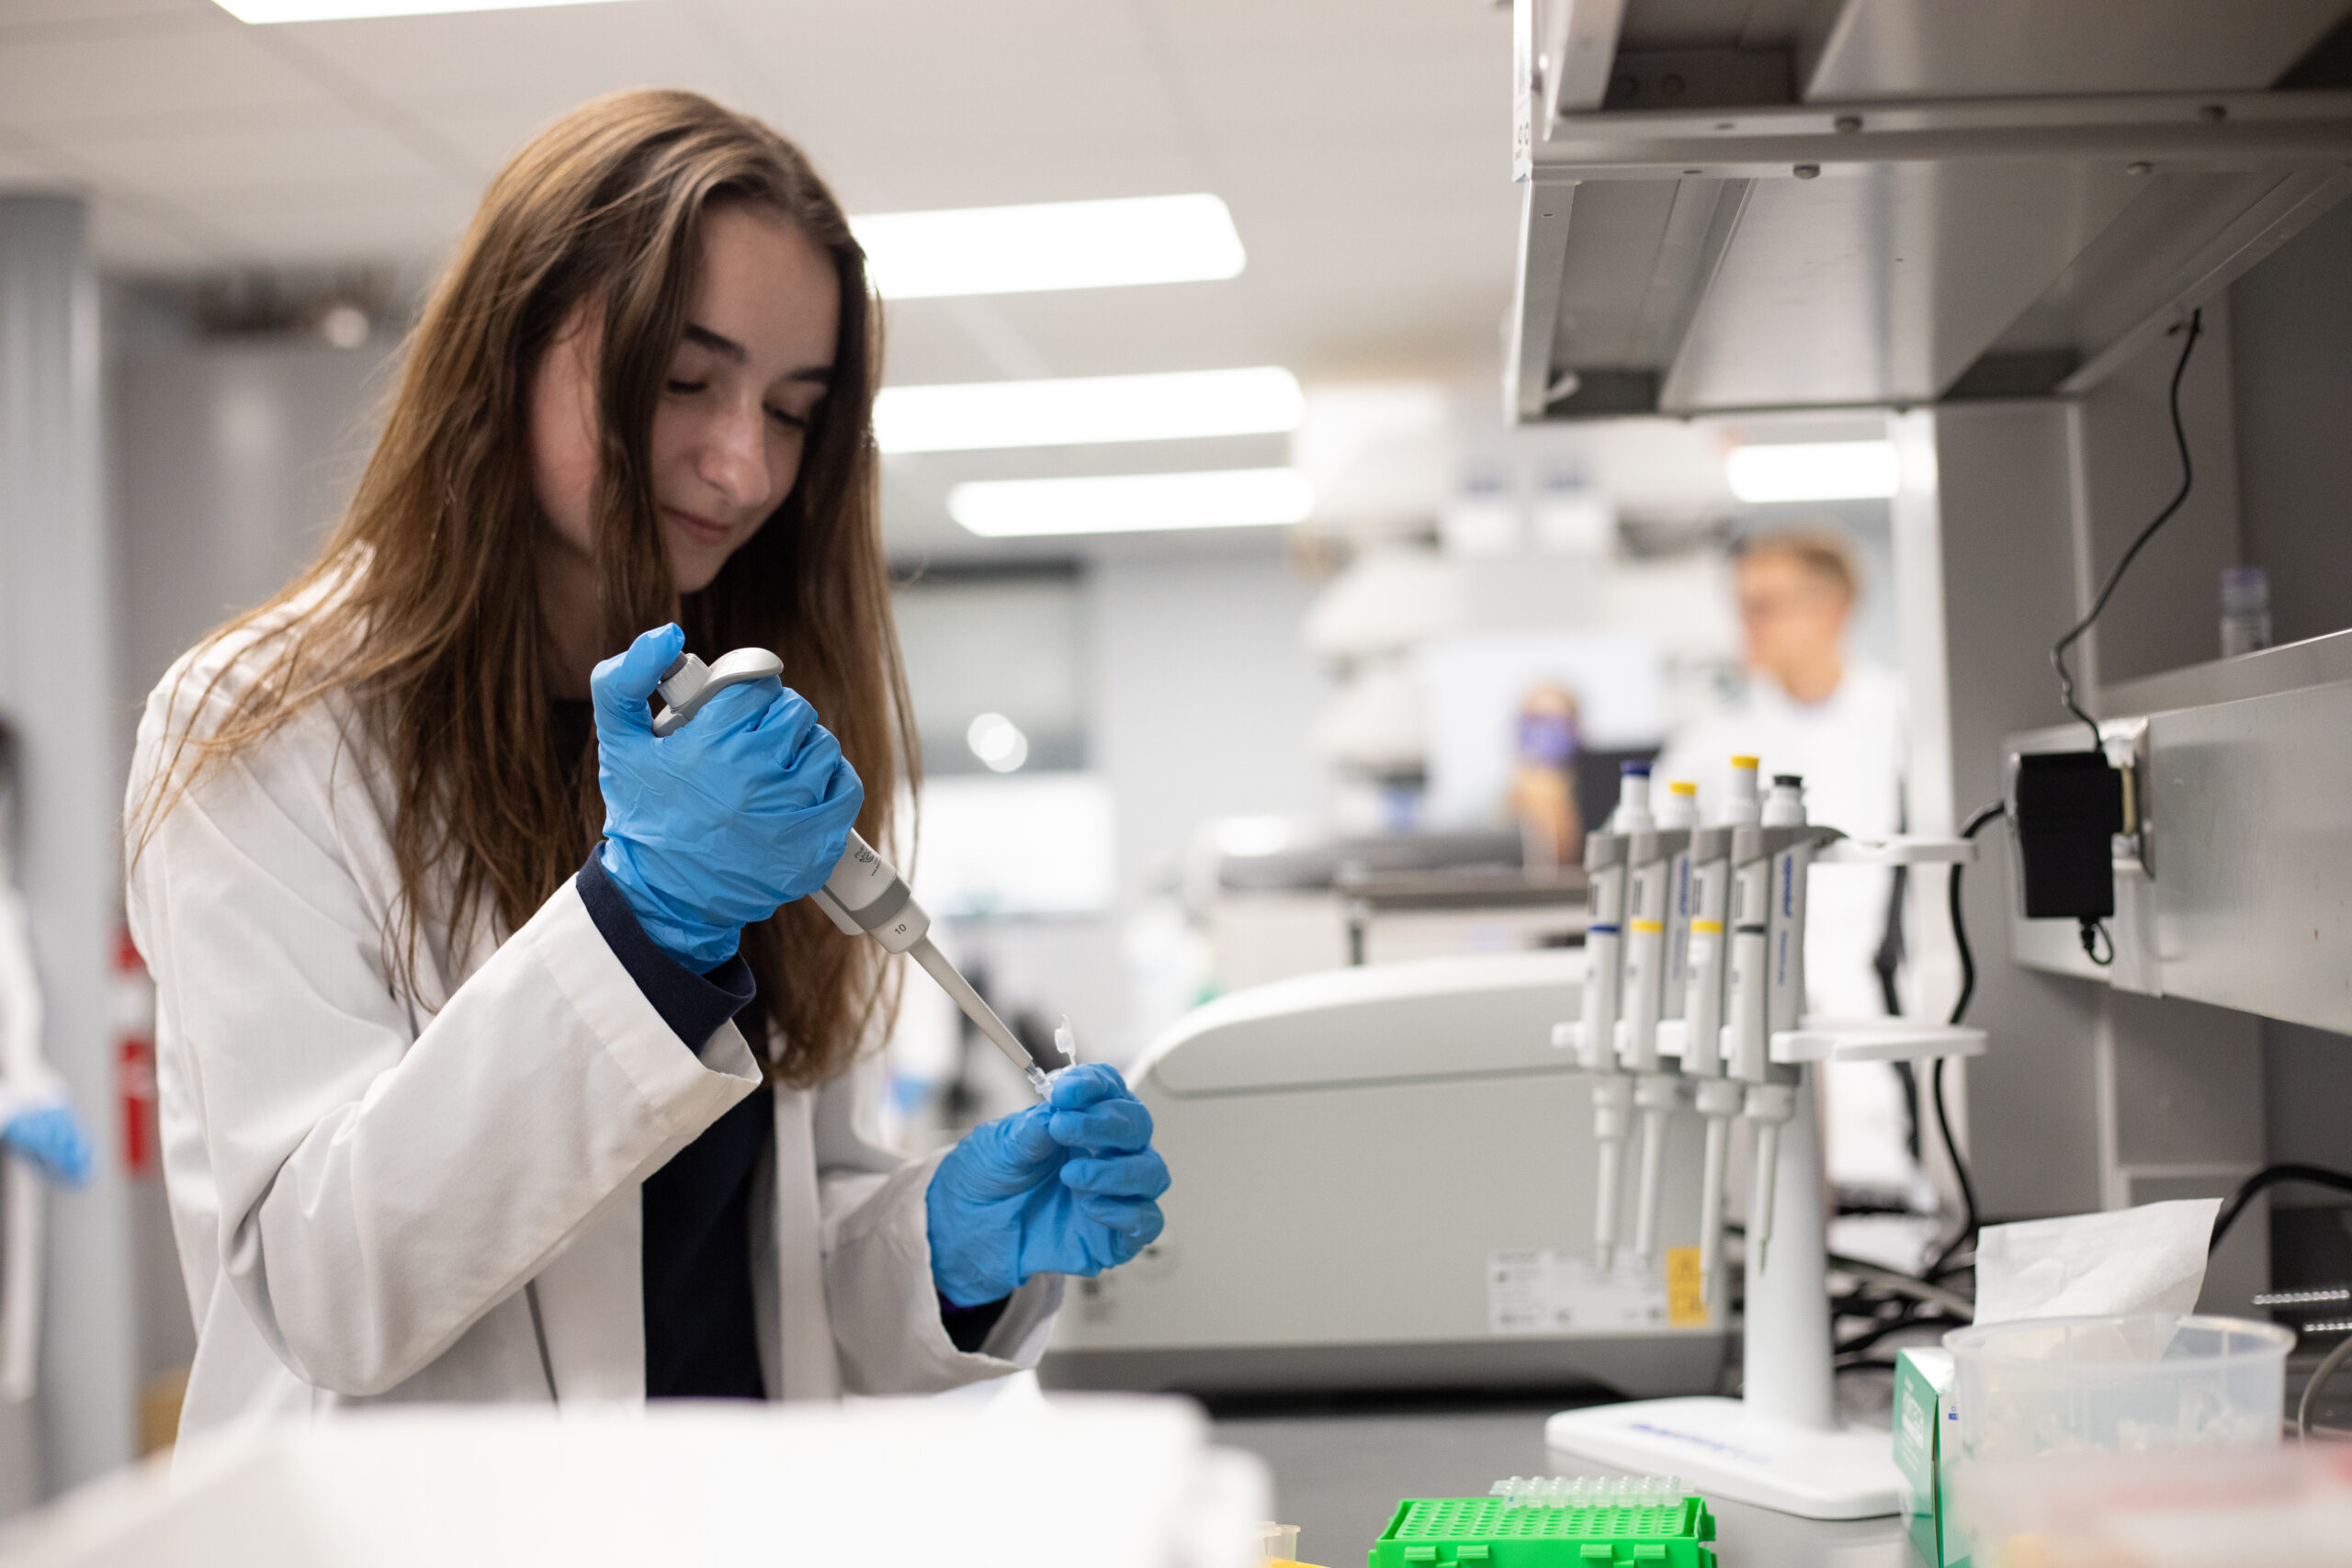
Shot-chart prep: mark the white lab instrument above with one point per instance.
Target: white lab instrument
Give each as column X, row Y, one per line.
column 1384, row 1182
column 1780, row 1445
column 865, row 895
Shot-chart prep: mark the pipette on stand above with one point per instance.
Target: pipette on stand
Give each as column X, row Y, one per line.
column 865, row 895
column 1652, row 859
column 1771, row 1090
column 1596, row 1037
column 1719, row 1098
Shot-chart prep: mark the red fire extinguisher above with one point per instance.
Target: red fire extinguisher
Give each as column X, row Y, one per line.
column 134, row 1002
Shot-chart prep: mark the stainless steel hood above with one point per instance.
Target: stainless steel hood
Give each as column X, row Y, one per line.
column 1750, row 204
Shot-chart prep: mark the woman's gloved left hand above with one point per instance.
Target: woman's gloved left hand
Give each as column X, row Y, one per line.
column 1065, row 1187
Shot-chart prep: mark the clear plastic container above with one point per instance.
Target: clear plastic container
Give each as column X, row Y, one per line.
column 2245, row 610
column 2145, row 1382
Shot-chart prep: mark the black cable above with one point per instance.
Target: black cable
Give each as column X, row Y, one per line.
column 1976, row 825
column 2271, row 1175
column 2107, row 590
column 2093, row 932
column 1969, row 1221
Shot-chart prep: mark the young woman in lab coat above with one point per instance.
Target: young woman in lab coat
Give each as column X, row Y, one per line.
column 460, row 1101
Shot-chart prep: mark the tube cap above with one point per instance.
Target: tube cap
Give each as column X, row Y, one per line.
column 1681, row 786
column 1747, row 762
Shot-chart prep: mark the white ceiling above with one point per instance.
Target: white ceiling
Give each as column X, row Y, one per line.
column 1362, row 145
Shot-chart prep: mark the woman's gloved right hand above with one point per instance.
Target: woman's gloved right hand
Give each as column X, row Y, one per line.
column 717, row 825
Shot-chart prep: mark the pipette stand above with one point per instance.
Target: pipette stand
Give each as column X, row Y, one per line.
column 1779, row 1446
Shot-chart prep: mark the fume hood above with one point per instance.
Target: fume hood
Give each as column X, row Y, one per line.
column 1752, row 204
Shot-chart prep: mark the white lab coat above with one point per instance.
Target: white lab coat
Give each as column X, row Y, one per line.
column 383, row 1198
column 1848, row 748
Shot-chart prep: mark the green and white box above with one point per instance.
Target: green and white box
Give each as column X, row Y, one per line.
column 1927, row 1442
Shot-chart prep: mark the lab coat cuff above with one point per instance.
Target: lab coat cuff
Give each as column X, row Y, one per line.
column 689, row 1090
column 693, row 1005
column 886, row 1238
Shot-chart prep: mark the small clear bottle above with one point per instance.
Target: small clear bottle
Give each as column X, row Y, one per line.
column 2245, row 610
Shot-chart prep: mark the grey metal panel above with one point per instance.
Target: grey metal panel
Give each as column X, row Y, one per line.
column 1543, row 244
column 2316, row 661
column 2248, row 899
column 1882, row 282
column 1947, row 48
column 1874, row 255
column 2251, row 811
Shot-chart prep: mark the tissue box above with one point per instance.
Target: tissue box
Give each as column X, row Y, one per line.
column 1926, row 1441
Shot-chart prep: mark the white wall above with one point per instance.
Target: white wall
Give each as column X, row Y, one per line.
column 233, row 458
column 1203, row 696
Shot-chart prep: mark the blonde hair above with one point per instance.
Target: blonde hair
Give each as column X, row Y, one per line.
column 423, row 607
column 1823, row 552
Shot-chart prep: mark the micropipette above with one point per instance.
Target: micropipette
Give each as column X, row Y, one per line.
column 1719, row 1097
column 1772, row 1090
column 865, row 895
column 1653, row 860
column 1612, row 1090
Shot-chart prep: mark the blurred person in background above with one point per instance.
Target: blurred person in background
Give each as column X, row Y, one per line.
column 461, row 1101
column 1544, row 778
column 1810, row 707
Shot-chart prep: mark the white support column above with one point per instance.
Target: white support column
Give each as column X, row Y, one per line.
column 57, row 653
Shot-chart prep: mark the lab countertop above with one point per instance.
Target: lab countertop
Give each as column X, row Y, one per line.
column 1339, row 1474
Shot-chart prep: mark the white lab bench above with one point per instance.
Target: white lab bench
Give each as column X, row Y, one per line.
column 1338, row 1474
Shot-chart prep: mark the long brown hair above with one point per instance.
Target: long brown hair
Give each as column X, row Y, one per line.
column 423, row 606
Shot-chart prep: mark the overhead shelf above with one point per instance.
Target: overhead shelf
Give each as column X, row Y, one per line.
column 1840, row 203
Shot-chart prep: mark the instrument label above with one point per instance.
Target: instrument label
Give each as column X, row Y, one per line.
column 1538, row 1291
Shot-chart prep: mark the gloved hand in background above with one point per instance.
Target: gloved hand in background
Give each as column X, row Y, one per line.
column 1061, row 1188
column 714, row 827
column 51, row 1136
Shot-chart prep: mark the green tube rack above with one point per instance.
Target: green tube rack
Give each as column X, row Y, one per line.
column 1552, row 1524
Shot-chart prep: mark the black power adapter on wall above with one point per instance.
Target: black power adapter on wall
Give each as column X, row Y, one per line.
column 2067, row 808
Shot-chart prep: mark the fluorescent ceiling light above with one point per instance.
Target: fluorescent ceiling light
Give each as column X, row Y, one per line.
column 1132, row 503
column 1818, row 471
column 346, row 10
column 1066, row 244
column 1085, row 410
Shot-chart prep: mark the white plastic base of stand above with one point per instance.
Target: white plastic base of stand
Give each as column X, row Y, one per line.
column 1725, row 1451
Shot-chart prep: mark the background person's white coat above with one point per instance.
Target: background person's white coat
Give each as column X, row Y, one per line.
column 379, row 1198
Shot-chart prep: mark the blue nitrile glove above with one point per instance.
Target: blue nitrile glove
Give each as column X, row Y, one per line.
column 711, row 829
column 1062, row 1188
column 51, row 1137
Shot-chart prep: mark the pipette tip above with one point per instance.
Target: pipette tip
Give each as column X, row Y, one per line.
column 1040, row 1080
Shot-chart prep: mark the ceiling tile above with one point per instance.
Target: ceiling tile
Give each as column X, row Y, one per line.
column 151, row 75
column 126, row 240
column 299, row 152
column 95, row 15
column 340, row 226
column 538, row 62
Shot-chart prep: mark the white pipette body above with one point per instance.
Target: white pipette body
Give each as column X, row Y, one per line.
column 1771, row 1098
column 1719, row 1098
column 1612, row 1090
column 1659, row 860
